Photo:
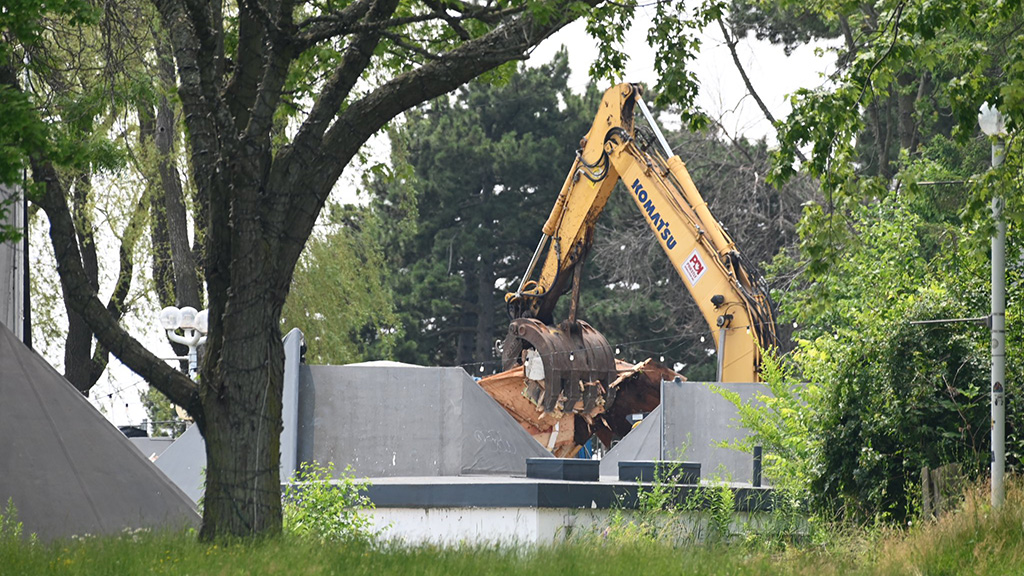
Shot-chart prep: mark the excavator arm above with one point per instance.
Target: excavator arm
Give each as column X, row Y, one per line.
column 733, row 298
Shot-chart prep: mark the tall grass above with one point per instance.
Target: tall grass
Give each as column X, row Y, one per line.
column 972, row 540
column 975, row 540
column 180, row 554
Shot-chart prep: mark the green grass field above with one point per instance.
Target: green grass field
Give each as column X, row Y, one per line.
column 974, row 540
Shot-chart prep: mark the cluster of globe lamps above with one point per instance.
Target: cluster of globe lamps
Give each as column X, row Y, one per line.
column 193, row 326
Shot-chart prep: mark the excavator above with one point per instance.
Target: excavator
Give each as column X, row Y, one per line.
column 569, row 366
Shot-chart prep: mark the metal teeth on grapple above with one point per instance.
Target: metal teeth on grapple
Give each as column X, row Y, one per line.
column 578, row 364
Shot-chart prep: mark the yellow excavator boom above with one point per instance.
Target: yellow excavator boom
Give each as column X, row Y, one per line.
column 732, row 297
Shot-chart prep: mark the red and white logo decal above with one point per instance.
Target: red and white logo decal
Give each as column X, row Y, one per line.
column 694, row 268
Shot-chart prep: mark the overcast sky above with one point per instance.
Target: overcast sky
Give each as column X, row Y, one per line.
column 722, row 93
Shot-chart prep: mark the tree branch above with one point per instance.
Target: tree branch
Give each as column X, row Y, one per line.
column 363, row 118
column 241, row 89
column 452, row 21
column 83, row 299
column 347, row 24
column 193, row 38
column 275, row 71
column 731, row 43
column 304, row 148
column 402, row 42
column 320, row 28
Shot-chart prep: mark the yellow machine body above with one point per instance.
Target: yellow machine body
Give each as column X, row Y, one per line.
column 733, row 298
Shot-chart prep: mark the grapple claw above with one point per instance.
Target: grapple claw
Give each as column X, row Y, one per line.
column 575, row 362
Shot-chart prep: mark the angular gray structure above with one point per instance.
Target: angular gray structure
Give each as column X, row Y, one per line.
column 387, row 419
column 642, row 443
column 152, row 446
column 184, row 463
column 689, row 425
column 67, row 470
column 12, row 263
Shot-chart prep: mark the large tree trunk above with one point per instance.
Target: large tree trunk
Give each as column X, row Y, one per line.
column 241, row 394
column 908, row 95
column 242, row 373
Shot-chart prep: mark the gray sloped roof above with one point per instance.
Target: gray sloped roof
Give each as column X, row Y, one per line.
column 151, row 447
column 184, row 463
column 68, row 470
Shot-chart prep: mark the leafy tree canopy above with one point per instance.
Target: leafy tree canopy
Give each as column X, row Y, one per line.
column 912, row 75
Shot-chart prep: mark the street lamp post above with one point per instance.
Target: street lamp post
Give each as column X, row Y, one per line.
column 193, row 326
column 991, row 122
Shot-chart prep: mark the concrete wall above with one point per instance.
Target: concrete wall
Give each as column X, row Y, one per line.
column 509, row 526
column 523, row 525
column 12, row 268
column 387, row 419
column 689, row 425
column 697, row 419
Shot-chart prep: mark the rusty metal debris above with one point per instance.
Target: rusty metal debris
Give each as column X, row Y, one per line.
column 598, row 406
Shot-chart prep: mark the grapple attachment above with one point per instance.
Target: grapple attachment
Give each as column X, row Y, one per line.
column 568, row 367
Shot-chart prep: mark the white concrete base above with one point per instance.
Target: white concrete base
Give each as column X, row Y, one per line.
column 448, row 526
column 530, row 526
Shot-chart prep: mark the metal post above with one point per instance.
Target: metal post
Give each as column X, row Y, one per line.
column 533, row 263
column 661, row 433
column 998, row 340
column 26, row 289
column 755, row 480
column 193, row 361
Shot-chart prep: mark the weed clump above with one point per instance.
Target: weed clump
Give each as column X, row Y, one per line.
column 318, row 506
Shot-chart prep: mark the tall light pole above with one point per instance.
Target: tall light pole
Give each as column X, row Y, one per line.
column 991, row 122
column 193, row 326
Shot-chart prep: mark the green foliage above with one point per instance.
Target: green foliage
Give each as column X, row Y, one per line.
column 895, row 146
column 23, row 24
column 720, row 501
column 675, row 32
column 10, row 528
column 340, row 298
column 161, row 413
column 889, row 397
column 326, row 506
column 668, row 512
column 20, row 131
column 784, row 423
column 918, row 73
column 608, row 24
